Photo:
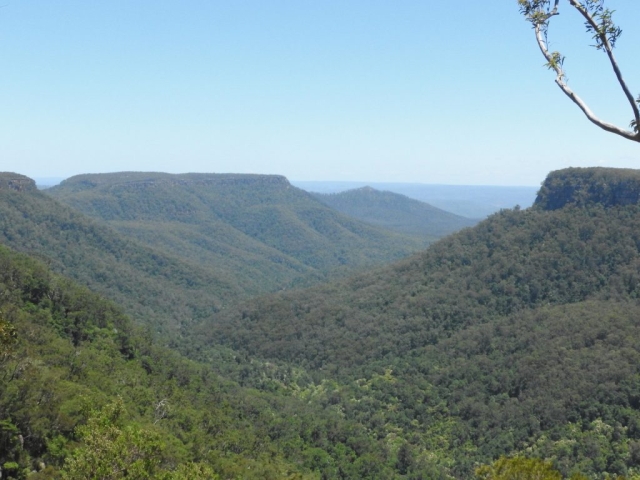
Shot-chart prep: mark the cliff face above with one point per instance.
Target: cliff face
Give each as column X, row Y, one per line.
column 588, row 186
column 17, row 182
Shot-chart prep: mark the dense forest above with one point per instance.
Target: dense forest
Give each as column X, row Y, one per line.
column 159, row 289
column 85, row 394
column 506, row 350
column 518, row 335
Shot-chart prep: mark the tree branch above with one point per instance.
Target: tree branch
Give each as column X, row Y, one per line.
column 608, row 48
column 554, row 62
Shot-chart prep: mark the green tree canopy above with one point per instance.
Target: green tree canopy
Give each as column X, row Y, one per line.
column 113, row 451
column 7, row 337
column 519, row 468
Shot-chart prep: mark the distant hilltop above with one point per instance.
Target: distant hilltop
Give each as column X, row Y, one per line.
column 15, row 181
column 149, row 179
column 588, row 186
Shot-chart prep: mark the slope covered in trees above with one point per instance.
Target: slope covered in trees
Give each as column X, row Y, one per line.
column 258, row 228
column 85, row 394
column 518, row 335
column 395, row 212
column 211, row 265
column 161, row 290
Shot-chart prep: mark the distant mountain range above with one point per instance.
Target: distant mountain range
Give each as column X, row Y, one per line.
column 395, row 212
column 245, row 234
column 204, row 241
column 257, row 228
column 471, row 201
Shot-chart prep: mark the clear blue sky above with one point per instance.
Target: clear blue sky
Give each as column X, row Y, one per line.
column 404, row 91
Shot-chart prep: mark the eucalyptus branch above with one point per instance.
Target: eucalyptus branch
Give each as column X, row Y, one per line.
column 598, row 21
column 555, row 10
column 603, row 32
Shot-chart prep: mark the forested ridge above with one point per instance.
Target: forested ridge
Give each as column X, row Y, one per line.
column 515, row 260
column 258, row 229
column 508, row 349
column 175, row 260
column 395, row 212
column 160, row 289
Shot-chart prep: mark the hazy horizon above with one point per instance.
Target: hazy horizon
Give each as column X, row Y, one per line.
column 434, row 93
column 51, row 180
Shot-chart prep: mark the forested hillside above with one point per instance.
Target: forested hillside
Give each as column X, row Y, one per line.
column 159, row 289
column 193, row 263
column 519, row 335
column 85, row 394
column 395, row 212
column 256, row 228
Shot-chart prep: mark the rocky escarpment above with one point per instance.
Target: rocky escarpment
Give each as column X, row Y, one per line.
column 589, row 186
column 143, row 180
column 17, row 182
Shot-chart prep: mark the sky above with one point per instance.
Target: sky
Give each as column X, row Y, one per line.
column 332, row 90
